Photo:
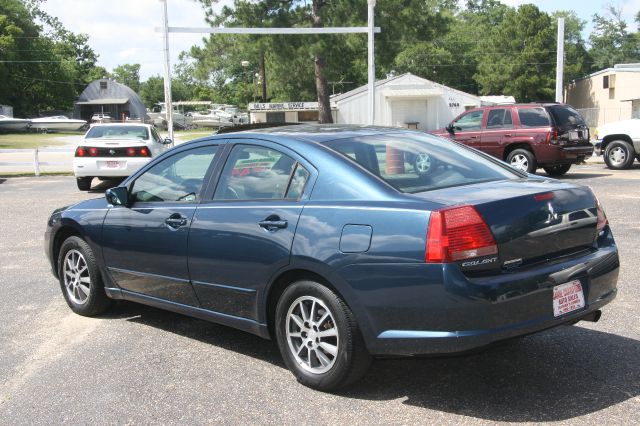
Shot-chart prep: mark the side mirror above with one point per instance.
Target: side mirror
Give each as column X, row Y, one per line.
column 450, row 129
column 167, row 141
column 118, row 196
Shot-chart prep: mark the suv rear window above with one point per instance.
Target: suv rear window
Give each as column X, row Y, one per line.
column 417, row 163
column 566, row 117
column 533, row 117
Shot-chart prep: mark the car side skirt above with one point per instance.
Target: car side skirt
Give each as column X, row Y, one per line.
column 240, row 323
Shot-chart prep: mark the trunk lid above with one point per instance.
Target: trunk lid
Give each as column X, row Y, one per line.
column 532, row 220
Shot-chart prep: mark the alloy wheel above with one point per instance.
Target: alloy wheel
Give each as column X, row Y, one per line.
column 520, row 162
column 312, row 334
column 77, row 280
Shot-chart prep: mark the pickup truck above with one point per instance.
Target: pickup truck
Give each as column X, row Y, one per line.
column 619, row 142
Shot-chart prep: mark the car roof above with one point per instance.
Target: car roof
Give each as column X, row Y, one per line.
column 121, row 124
column 318, row 133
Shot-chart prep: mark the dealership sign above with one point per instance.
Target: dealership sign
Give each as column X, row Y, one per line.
column 283, row 106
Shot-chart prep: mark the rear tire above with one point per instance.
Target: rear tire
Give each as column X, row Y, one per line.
column 80, row 278
column 319, row 337
column 557, row 170
column 522, row 159
column 84, row 183
column 619, row 155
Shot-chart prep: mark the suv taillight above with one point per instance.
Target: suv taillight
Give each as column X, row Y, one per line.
column 552, row 137
column 458, row 233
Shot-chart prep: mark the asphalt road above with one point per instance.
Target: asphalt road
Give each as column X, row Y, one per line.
column 142, row 365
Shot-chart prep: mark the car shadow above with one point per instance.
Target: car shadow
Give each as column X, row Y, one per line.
column 203, row 331
column 556, row 375
column 573, row 176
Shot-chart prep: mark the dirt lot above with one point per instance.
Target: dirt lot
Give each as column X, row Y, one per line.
column 142, row 365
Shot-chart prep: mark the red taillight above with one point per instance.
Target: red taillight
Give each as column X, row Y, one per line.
column 458, row 233
column 602, row 219
column 131, row 152
column 80, row 152
column 552, row 137
column 544, row 196
column 93, row 151
column 144, row 152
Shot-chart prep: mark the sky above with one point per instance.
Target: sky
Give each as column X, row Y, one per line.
column 123, row 31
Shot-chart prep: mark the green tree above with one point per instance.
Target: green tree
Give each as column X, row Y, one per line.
column 611, row 41
column 524, row 63
column 45, row 65
column 129, row 75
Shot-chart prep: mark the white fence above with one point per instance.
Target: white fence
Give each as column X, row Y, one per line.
column 34, row 154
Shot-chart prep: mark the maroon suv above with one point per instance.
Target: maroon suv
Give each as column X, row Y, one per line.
column 527, row 136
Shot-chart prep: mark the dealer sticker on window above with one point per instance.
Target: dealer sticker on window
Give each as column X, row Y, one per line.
column 567, row 297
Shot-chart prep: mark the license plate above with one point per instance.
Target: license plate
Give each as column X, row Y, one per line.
column 112, row 164
column 573, row 135
column 567, row 298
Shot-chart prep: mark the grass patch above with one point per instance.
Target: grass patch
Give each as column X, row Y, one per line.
column 31, row 174
column 187, row 135
column 33, row 140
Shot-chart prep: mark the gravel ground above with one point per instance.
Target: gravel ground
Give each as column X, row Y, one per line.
column 142, row 365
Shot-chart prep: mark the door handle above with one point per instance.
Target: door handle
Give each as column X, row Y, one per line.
column 176, row 220
column 508, row 135
column 473, row 137
column 273, row 223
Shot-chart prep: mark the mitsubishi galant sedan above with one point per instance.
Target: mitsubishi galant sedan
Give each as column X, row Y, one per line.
column 343, row 244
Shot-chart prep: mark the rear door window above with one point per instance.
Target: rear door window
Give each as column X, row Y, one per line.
column 258, row 173
column 499, row 119
column 533, row 117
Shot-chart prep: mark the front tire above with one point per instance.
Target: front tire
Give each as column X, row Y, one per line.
column 80, row 278
column 619, row 155
column 557, row 170
column 84, row 183
column 319, row 338
column 522, row 159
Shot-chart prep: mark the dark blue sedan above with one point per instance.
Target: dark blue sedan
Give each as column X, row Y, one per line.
column 342, row 243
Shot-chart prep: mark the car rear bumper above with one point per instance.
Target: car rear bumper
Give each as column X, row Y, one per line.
column 558, row 154
column 414, row 309
column 102, row 166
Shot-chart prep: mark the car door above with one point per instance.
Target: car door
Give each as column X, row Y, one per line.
column 467, row 128
column 497, row 132
column 243, row 235
column 145, row 243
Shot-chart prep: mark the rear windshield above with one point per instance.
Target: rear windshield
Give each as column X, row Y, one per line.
column 566, row 117
column 118, row 132
column 533, row 117
column 411, row 162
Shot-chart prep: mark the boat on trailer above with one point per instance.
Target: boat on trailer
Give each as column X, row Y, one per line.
column 57, row 123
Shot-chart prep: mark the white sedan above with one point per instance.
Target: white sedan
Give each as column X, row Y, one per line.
column 111, row 150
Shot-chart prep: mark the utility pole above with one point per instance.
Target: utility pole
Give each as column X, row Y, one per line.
column 560, row 62
column 371, row 61
column 168, row 105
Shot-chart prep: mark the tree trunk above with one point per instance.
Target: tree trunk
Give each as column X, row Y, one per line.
column 322, row 88
column 263, row 77
column 320, row 63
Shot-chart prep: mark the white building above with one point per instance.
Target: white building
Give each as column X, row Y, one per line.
column 406, row 101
